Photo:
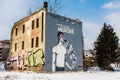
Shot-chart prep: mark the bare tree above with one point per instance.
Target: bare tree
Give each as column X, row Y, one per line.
column 54, row 6
column 29, row 11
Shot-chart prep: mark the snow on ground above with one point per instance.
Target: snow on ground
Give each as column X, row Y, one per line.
column 60, row 76
column 80, row 75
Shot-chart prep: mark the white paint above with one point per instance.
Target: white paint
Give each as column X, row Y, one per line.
column 59, row 52
column 72, row 57
column 64, row 28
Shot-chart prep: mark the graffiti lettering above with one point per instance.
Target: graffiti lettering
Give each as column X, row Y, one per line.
column 64, row 28
column 34, row 58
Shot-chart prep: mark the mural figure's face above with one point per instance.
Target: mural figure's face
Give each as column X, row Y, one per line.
column 61, row 37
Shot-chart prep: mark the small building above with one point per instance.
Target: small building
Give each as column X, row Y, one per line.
column 89, row 59
column 89, row 54
column 4, row 49
column 116, row 65
column 46, row 41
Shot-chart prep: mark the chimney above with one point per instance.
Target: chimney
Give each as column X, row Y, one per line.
column 45, row 5
column 78, row 20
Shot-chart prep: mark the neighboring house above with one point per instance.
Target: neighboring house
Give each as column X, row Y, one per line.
column 4, row 49
column 34, row 37
column 116, row 65
column 89, row 54
column 89, row 59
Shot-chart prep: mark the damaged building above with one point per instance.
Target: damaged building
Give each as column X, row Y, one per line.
column 46, row 41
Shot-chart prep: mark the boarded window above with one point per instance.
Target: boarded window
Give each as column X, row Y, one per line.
column 37, row 22
column 32, row 42
column 16, row 31
column 37, row 41
column 22, row 45
column 15, row 46
column 23, row 28
column 33, row 24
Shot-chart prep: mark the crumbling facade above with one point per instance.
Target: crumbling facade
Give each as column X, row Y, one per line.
column 46, row 41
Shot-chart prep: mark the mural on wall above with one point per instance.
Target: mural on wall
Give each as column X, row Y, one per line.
column 31, row 58
column 63, row 44
column 61, row 52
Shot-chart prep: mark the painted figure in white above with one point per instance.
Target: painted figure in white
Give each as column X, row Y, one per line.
column 59, row 54
column 58, row 57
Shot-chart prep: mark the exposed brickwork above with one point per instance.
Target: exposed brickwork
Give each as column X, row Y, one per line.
column 20, row 52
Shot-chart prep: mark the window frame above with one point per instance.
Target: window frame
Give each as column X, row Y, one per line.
column 15, row 46
column 32, row 43
column 37, row 41
column 23, row 45
column 16, row 31
column 37, row 22
column 33, row 23
column 23, row 28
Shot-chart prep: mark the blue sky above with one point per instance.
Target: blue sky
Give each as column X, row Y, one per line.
column 93, row 13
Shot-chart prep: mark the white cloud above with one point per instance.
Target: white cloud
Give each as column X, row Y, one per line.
column 91, row 30
column 112, row 5
column 12, row 8
column 90, row 33
column 113, row 19
column 11, row 11
column 4, row 32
